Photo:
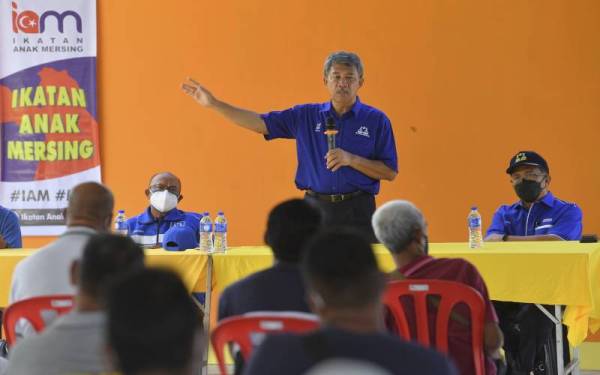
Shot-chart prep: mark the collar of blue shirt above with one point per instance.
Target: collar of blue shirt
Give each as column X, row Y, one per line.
column 548, row 200
column 326, row 107
column 173, row 215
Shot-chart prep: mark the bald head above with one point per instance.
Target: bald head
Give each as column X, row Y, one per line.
column 165, row 178
column 91, row 205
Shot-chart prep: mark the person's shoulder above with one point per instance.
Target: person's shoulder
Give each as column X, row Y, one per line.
column 8, row 214
column 308, row 107
column 566, row 205
column 426, row 360
column 249, row 282
column 135, row 219
column 191, row 216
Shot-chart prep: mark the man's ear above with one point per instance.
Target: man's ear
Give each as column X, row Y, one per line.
column 360, row 82
column 147, row 192
column 74, row 272
column 180, row 198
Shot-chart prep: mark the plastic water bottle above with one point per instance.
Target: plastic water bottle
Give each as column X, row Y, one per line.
column 206, row 242
column 121, row 223
column 220, row 233
column 474, row 222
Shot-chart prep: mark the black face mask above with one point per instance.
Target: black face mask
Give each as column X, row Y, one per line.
column 528, row 190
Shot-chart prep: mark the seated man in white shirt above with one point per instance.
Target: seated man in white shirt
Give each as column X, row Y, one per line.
column 46, row 272
column 74, row 343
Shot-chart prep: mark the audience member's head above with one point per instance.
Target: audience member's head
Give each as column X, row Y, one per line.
column 400, row 226
column 152, row 323
column 341, row 274
column 163, row 192
column 289, row 226
column 90, row 205
column 105, row 257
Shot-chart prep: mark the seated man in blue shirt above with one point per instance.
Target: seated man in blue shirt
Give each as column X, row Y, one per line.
column 537, row 216
column 164, row 192
column 342, row 180
column 345, row 288
column 10, row 230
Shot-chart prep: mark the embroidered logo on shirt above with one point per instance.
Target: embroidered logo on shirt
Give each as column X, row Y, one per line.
column 318, row 127
column 363, row 130
column 178, row 224
column 548, row 220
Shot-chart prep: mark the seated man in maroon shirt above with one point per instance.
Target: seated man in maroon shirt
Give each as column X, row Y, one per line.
column 401, row 227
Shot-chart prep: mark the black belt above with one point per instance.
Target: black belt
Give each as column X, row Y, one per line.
column 334, row 197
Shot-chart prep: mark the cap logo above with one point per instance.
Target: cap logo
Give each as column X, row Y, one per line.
column 520, row 157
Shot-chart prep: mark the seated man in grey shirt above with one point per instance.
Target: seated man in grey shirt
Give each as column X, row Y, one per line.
column 75, row 343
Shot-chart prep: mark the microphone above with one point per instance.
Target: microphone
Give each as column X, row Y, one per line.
column 330, row 132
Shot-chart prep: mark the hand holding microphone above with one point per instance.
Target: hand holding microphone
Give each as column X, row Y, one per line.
column 335, row 157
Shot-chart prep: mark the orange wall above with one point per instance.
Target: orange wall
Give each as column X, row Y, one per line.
column 465, row 83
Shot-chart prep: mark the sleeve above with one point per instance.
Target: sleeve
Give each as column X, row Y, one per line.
column 281, row 124
column 385, row 146
column 497, row 226
column 11, row 232
column 481, row 287
column 568, row 226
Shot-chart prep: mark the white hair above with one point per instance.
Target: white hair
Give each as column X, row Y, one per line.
column 395, row 224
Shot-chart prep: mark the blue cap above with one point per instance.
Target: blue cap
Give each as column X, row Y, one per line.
column 179, row 238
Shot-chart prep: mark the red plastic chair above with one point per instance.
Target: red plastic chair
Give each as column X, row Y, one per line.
column 243, row 330
column 450, row 294
column 33, row 310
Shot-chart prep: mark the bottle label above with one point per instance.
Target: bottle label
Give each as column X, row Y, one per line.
column 474, row 222
column 206, row 227
column 220, row 227
column 121, row 225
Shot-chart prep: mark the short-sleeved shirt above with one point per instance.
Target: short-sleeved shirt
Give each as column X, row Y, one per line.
column 10, row 229
column 148, row 231
column 549, row 215
column 459, row 335
column 295, row 354
column 364, row 131
column 278, row 288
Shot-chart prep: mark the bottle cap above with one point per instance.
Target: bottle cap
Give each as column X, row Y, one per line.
column 474, row 208
column 121, row 211
column 220, row 213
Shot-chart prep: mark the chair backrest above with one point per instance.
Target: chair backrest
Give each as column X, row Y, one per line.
column 36, row 311
column 248, row 330
column 447, row 294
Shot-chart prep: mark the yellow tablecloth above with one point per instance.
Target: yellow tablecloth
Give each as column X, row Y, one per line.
column 564, row 273
column 190, row 265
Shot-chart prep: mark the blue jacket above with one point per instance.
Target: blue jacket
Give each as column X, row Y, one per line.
column 148, row 231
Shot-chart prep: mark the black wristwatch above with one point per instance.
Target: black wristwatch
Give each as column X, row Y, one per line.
column 505, row 237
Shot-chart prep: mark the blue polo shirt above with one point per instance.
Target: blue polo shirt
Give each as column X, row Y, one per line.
column 10, row 228
column 148, row 231
column 550, row 215
column 363, row 131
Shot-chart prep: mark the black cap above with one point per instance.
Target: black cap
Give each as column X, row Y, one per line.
column 527, row 158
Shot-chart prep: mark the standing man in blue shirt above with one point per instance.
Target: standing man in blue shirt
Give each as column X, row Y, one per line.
column 537, row 216
column 342, row 181
column 149, row 227
column 10, row 230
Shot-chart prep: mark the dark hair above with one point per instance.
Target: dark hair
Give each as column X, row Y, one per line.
column 340, row 266
column 106, row 256
column 152, row 322
column 289, row 226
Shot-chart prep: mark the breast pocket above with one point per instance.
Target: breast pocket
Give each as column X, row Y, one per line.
column 360, row 143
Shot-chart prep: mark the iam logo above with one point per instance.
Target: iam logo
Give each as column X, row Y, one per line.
column 318, row 127
column 363, row 130
column 30, row 22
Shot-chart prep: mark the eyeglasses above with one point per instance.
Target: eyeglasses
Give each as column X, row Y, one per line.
column 171, row 189
column 345, row 80
column 526, row 176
